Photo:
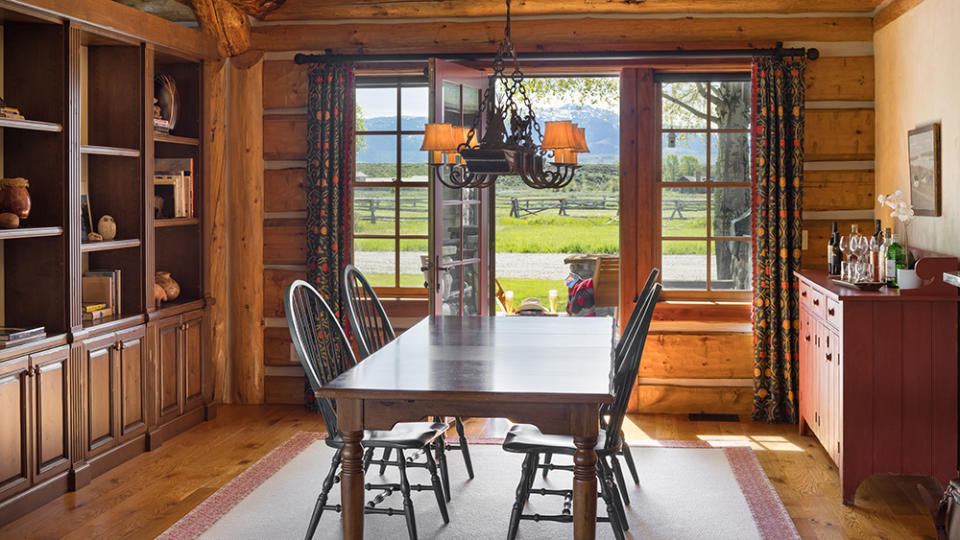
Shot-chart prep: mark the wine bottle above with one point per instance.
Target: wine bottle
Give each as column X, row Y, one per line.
column 883, row 254
column 895, row 260
column 832, row 247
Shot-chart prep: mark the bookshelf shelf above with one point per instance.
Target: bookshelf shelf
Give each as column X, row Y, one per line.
column 174, row 139
column 30, row 232
column 109, row 151
column 30, row 125
column 109, row 245
column 175, row 222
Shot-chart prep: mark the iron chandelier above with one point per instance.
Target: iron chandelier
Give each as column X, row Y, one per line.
column 542, row 160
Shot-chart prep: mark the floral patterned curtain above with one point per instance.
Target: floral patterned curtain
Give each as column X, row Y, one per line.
column 330, row 140
column 778, row 109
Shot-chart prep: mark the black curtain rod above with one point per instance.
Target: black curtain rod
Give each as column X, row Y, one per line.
column 778, row 51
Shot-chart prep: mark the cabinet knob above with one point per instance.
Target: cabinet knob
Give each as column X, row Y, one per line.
column 816, row 301
column 807, row 337
column 803, row 294
column 829, row 357
column 831, row 312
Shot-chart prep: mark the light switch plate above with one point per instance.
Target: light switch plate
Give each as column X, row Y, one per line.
column 804, row 241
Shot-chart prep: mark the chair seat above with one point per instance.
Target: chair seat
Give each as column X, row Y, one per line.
column 403, row 435
column 526, row 438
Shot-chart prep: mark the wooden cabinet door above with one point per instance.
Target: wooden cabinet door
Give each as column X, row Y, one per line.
column 132, row 363
column 15, row 451
column 100, row 365
column 51, row 413
column 832, row 357
column 808, row 381
column 167, row 356
column 193, row 373
column 829, row 411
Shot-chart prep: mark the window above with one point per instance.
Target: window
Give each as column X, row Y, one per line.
column 391, row 206
column 704, row 186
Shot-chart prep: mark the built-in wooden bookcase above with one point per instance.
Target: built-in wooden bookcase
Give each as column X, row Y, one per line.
column 179, row 241
column 112, row 162
column 34, row 284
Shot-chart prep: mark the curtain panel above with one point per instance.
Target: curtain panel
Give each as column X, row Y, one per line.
column 778, row 114
column 331, row 112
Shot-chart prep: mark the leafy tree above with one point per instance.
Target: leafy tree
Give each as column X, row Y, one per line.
column 597, row 91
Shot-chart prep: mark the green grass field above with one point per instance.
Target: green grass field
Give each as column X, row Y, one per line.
column 535, row 288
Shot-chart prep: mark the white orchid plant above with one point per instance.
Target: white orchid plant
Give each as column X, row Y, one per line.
column 903, row 212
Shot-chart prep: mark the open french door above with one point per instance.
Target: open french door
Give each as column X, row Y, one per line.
column 461, row 231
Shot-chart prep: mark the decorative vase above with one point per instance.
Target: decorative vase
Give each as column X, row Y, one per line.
column 171, row 287
column 107, row 227
column 908, row 279
column 15, row 197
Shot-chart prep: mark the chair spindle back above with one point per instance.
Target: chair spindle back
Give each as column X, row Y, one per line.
column 319, row 341
column 368, row 320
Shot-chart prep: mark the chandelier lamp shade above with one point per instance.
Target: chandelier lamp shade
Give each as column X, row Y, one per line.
column 512, row 143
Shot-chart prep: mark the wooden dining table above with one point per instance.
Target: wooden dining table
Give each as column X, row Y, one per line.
column 553, row 372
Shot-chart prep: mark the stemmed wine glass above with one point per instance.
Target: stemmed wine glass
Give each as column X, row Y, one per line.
column 845, row 250
column 860, row 246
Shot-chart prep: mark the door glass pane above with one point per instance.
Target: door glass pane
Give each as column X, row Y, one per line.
column 373, row 211
column 471, row 288
column 449, row 290
column 377, row 158
column 684, row 212
column 684, row 265
column 730, row 105
column 731, row 266
column 414, row 103
column 451, row 103
column 471, row 231
column 684, row 157
column 451, row 233
column 376, row 109
column 413, row 253
column 413, row 162
column 730, row 153
column 684, row 105
column 471, row 106
column 730, row 211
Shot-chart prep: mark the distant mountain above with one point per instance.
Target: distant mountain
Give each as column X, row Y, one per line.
column 602, row 132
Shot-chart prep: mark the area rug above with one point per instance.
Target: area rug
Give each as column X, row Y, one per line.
column 687, row 490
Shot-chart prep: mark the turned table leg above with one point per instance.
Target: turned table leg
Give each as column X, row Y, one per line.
column 350, row 420
column 585, row 475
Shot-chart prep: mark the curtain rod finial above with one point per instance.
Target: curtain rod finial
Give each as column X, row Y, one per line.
column 813, row 54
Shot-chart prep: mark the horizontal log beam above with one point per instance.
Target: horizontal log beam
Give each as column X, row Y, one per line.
column 552, row 34
column 310, row 10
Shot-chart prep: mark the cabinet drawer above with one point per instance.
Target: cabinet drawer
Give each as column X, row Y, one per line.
column 834, row 314
column 813, row 300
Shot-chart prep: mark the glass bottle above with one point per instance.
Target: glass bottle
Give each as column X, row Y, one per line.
column 833, row 248
column 853, row 240
column 876, row 242
column 887, row 239
column 895, row 259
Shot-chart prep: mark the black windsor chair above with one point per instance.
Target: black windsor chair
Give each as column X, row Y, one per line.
column 372, row 330
column 529, row 440
column 325, row 353
column 632, row 322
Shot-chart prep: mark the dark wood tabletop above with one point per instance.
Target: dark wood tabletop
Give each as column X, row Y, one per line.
column 521, row 359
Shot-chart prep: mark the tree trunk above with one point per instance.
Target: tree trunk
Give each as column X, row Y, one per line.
column 731, row 206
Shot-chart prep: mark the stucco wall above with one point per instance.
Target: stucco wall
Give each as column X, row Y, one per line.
column 918, row 83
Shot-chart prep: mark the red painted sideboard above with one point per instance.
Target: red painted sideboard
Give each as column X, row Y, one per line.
column 878, row 378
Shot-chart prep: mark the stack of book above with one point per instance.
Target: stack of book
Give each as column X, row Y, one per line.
column 173, row 186
column 12, row 336
column 10, row 112
column 161, row 125
column 101, row 294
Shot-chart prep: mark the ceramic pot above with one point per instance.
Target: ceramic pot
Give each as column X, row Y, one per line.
column 107, row 227
column 908, row 279
column 171, row 287
column 15, row 197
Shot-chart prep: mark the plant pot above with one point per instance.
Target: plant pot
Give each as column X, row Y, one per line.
column 15, row 197
column 908, row 279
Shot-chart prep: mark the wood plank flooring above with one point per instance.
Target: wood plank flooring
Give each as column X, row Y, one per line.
column 144, row 496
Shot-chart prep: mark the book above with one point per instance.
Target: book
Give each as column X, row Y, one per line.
column 177, row 172
column 90, row 306
column 113, row 276
column 98, row 314
column 9, row 334
column 97, row 289
column 161, row 125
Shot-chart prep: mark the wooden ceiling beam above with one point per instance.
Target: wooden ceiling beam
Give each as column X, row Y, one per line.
column 322, row 10
column 555, row 34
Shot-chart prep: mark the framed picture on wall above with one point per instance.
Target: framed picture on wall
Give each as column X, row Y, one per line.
column 924, row 149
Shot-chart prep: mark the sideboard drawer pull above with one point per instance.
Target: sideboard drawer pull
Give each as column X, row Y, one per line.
column 803, row 293
column 829, row 357
column 831, row 312
column 816, row 301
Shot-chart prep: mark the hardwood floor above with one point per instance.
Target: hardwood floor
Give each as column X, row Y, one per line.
column 144, row 496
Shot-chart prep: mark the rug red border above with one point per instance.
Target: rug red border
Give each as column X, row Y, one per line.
column 771, row 517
